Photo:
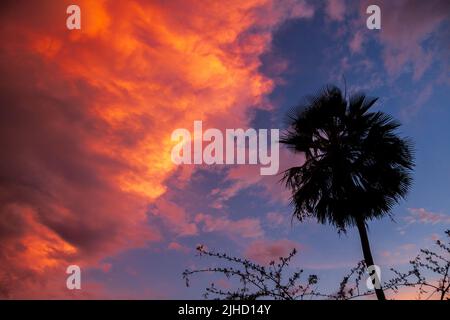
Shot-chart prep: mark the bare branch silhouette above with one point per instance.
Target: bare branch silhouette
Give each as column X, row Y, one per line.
column 430, row 272
column 277, row 281
column 257, row 281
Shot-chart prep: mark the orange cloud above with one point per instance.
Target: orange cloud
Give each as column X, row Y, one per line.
column 87, row 116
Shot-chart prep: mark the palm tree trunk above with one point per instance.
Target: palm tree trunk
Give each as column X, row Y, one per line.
column 367, row 253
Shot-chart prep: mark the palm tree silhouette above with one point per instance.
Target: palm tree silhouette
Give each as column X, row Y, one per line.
column 356, row 167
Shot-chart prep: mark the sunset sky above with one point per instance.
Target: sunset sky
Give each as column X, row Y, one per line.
column 86, row 118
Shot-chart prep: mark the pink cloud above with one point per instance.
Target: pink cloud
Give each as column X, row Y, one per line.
column 421, row 215
column 174, row 217
column 400, row 254
column 405, row 25
column 357, row 42
column 242, row 228
column 241, row 178
column 176, row 246
column 223, row 284
column 264, row 251
column 419, row 102
column 435, row 237
column 106, row 267
column 275, row 218
column 336, row 9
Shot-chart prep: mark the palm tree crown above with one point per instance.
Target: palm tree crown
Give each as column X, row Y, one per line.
column 356, row 167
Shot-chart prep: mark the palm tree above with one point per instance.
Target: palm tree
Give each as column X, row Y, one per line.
column 356, row 167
